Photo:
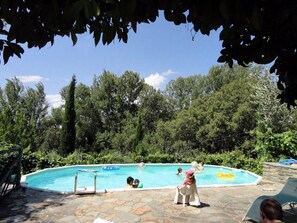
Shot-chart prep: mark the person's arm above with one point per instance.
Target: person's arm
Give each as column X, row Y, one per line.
column 185, row 182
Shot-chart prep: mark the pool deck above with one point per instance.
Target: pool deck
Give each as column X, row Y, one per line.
column 219, row 205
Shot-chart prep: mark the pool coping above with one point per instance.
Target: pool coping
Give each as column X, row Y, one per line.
column 23, row 178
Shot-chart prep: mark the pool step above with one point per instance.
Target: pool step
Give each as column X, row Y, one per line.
column 85, row 190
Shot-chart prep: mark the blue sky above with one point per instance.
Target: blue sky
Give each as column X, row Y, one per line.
column 159, row 52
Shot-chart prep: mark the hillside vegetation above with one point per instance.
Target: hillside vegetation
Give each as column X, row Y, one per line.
column 228, row 117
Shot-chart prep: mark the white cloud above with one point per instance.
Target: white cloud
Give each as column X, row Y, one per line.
column 30, row 78
column 168, row 72
column 55, row 100
column 155, row 80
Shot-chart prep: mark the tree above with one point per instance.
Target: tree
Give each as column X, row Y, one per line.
column 104, row 95
column 217, row 121
column 270, row 113
column 153, row 107
column 129, row 88
column 68, row 126
column 52, row 136
column 22, row 112
column 259, row 31
column 181, row 90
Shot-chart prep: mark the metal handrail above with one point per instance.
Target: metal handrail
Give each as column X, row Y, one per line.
column 76, row 179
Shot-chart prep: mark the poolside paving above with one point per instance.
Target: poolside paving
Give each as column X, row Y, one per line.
column 219, row 205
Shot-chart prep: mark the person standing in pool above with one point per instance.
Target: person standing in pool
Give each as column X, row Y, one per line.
column 179, row 171
column 129, row 182
column 194, row 166
column 201, row 166
column 141, row 165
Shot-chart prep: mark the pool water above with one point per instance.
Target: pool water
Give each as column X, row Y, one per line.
column 152, row 176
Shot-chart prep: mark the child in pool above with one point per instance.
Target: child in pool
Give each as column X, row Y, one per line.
column 136, row 184
column 179, row 171
column 196, row 167
column 129, row 182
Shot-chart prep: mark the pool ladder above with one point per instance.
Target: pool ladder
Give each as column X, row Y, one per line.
column 85, row 190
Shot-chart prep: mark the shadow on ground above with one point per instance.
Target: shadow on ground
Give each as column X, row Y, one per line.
column 21, row 204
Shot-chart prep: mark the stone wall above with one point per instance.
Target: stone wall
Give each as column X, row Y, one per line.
column 277, row 173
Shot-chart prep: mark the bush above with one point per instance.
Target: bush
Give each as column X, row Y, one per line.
column 31, row 161
column 39, row 160
column 159, row 158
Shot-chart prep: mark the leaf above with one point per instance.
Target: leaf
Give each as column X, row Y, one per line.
column 222, row 59
column 134, row 26
column 16, row 49
column 108, row 34
column 74, row 38
column 257, row 18
column 230, row 63
column 7, row 52
column 75, row 8
column 273, row 68
column 168, row 15
column 88, row 9
column 95, row 7
column 97, row 36
column 125, row 37
column 280, row 86
column 226, row 8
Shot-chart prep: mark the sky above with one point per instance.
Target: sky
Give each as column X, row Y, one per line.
column 158, row 52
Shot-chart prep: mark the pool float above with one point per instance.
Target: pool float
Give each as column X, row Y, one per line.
column 225, row 175
column 288, row 161
column 141, row 165
column 110, row 168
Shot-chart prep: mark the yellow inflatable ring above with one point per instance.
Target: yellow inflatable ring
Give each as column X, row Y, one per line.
column 225, row 175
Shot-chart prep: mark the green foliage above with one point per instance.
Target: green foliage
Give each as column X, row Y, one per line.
column 139, row 132
column 272, row 147
column 217, row 118
column 114, row 157
column 79, row 158
column 33, row 161
column 248, row 31
column 68, row 133
column 36, row 161
column 271, row 114
column 233, row 159
column 22, row 114
column 87, row 118
column 159, row 158
column 6, row 158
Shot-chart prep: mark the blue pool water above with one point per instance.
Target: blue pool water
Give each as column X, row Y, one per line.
column 152, row 176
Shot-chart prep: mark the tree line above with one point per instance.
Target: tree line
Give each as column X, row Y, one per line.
column 215, row 117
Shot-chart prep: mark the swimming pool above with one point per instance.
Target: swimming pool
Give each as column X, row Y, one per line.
column 152, row 176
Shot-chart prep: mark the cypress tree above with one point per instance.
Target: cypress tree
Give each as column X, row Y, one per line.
column 68, row 126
